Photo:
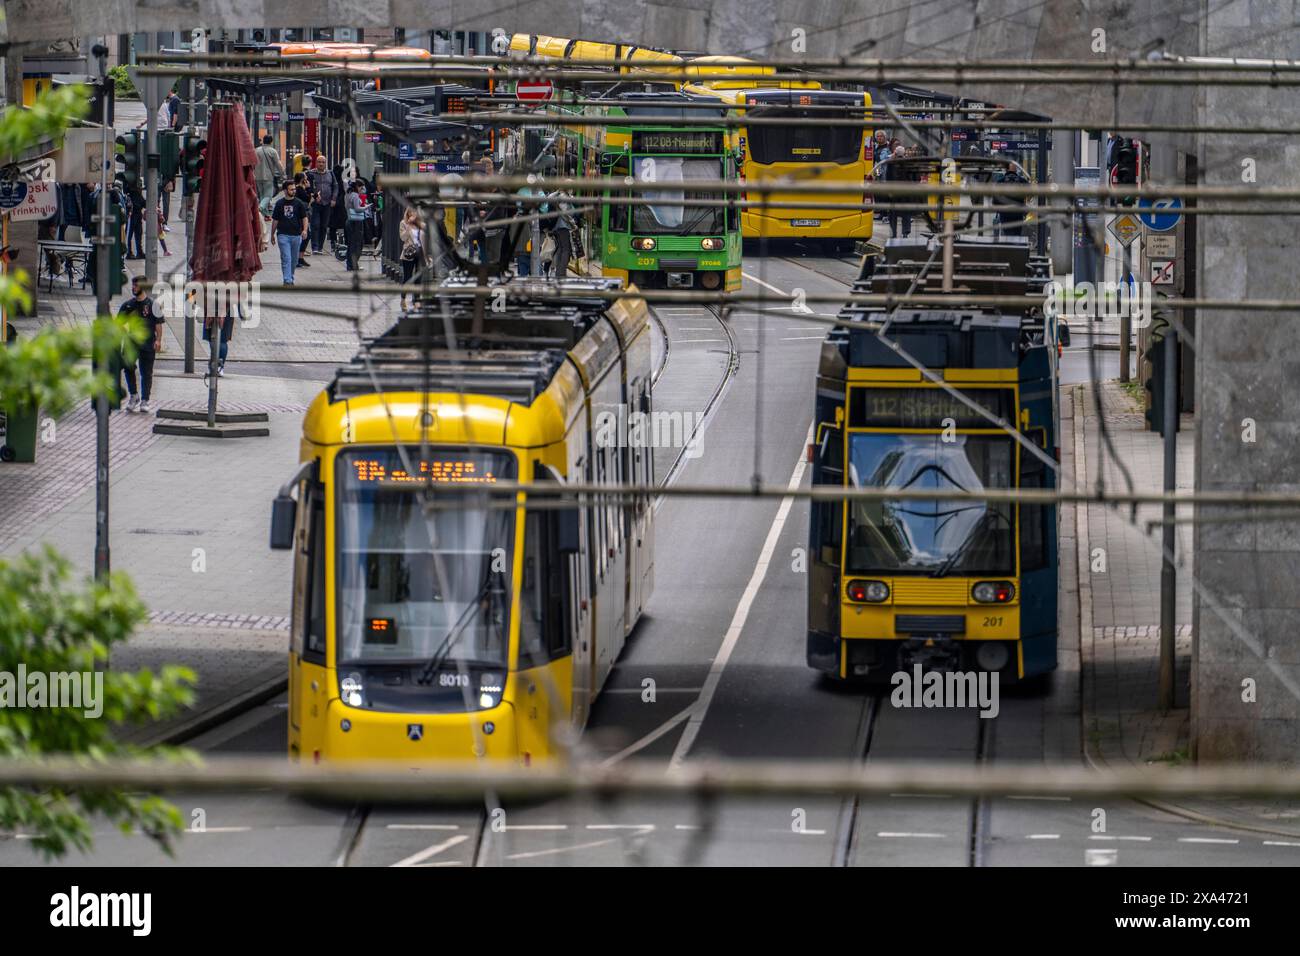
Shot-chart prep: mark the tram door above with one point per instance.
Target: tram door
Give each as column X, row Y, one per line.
column 307, row 691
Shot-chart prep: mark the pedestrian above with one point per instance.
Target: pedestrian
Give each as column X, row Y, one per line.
column 881, row 146
column 141, row 304
column 411, row 233
column 135, row 209
column 523, row 233
column 1010, row 217
column 269, row 171
column 302, row 189
column 289, row 219
column 325, row 198
column 900, row 221
column 339, row 213
column 167, row 188
column 564, row 230
column 356, row 222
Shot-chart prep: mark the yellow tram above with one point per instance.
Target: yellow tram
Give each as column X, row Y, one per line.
column 428, row 624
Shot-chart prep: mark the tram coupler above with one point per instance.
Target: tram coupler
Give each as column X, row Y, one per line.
column 934, row 653
column 680, row 280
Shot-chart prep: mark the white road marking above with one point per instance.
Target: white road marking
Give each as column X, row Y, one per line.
column 689, row 341
column 766, row 285
column 1279, row 843
column 221, row 830
column 1100, row 857
column 890, row 834
column 422, row 826
column 537, row 826
column 1205, row 840
column 1135, row 839
column 434, row 850
column 805, row 832
column 732, row 637
column 561, row 849
column 923, row 796
column 1043, row 836
column 687, row 826
column 441, row 863
column 801, row 338
column 649, row 738
column 643, row 827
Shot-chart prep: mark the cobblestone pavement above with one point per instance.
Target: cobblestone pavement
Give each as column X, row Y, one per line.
column 1118, row 587
column 189, row 516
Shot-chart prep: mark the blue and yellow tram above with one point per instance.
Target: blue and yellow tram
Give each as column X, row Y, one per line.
column 963, row 585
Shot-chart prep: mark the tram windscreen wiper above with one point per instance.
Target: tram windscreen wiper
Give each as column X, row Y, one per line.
column 440, row 655
column 951, row 561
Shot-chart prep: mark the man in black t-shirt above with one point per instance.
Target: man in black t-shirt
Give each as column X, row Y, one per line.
column 142, row 305
column 289, row 222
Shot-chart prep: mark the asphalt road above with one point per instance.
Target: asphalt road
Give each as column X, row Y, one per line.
column 723, row 642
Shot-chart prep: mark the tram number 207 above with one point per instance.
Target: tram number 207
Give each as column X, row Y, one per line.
column 453, row 680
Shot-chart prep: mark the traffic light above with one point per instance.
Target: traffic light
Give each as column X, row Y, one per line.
column 192, row 150
column 131, row 156
column 1155, row 388
column 169, row 155
column 1124, row 160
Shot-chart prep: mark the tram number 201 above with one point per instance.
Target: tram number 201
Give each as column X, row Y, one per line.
column 453, row 680
column 992, row 622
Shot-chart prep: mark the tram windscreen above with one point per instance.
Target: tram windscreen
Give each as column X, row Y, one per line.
column 902, row 536
column 665, row 215
column 415, row 582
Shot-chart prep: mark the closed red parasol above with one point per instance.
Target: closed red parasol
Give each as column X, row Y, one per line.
column 227, row 223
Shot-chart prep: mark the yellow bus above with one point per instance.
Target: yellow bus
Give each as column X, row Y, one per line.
column 467, row 631
column 797, row 151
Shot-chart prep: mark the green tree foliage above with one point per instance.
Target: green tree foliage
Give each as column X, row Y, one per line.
column 123, row 87
column 50, row 623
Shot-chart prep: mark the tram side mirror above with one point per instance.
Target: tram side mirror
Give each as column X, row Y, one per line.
column 284, row 512
column 1063, row 334
column 567, row 527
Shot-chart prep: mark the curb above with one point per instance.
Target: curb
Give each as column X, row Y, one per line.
column 1091, row 753
column 202, row 722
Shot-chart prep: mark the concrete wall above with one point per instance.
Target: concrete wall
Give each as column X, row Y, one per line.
column 1248, row 366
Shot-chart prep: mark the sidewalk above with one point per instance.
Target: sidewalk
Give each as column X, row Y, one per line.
column 189, row 517
column 1118, row 596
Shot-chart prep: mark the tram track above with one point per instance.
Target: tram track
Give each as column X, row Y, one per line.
column 976, row 836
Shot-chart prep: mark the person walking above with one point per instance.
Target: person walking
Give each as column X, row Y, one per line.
column 288, row 229
column 135, row 223
column 356, row 222
column 141, row 304
column 900, row 221
column 411, row 233
column 564, row 229
column 303, row 191
column 325, row 198
column 269, row 171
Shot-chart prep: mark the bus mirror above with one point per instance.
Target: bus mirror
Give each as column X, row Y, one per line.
column 567, row 527
column 284, row 512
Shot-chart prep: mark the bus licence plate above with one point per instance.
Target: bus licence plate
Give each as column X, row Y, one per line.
column 805, row 222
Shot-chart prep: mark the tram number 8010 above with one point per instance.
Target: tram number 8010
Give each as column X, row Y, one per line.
column 453, row 680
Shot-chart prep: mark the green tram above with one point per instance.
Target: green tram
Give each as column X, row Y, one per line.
column 663, row 242
column 961, row 585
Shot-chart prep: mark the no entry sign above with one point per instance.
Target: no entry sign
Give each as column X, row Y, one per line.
column 534, row 90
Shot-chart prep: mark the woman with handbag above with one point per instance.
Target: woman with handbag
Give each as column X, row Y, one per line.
column 356, row 223
column 411, row 233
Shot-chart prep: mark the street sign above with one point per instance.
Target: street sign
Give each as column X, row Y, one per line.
column 1160, row 215
column 534, row 90
column 41, row 202
column 12, row 193
column 1125, row 228
column 373, row 137
column 297, row 117
column 1160, row 246
column 426, row 167
column 1162, row 273
column 271, row 117
column 406, row 151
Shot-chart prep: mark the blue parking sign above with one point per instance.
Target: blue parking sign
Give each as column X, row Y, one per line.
column 1160, row 215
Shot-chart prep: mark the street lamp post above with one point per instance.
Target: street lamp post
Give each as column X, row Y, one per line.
column 102, row 240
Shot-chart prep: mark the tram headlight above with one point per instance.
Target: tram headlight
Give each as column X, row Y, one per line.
column 868, row 592
column 643, row 244
column 993, row 592
column 712, row 245
column 351, row 689
column 489, row 691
